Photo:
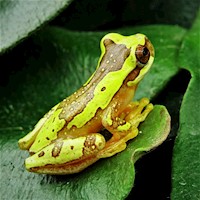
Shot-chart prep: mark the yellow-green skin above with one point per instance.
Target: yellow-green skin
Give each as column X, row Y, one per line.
column 67, row 140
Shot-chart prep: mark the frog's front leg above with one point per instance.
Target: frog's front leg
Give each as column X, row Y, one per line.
column 124, row 126
column 67, row 156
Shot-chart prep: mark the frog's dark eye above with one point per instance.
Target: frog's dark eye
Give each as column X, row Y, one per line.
column 142, row 54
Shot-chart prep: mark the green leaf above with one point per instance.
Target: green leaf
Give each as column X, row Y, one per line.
column 54, row 63
column 19, row 18
column 186, row 157
column 103, row 180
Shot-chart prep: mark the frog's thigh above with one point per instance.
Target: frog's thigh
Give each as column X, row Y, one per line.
column 67, row 156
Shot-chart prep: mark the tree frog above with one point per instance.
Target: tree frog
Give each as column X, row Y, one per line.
column 68, row 138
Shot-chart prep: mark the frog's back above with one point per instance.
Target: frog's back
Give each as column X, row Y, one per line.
column 99, row 90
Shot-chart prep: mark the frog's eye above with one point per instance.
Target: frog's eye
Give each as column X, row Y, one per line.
column 142, row 54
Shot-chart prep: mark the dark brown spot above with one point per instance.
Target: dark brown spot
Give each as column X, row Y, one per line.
column 103, row 88
column 47, row 138
column 41, row 154
column 57, row 148
column 72, row 147
column 53, row 130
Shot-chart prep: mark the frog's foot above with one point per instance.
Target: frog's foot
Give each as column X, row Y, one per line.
column 136, row 112
column 66, row 156
column 115, row 146
column 128, row 122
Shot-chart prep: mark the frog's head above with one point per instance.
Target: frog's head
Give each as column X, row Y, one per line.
column 135, row 52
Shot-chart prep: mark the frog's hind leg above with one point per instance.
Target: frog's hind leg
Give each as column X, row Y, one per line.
column 67, row 156
column 127, row 128
column 27, row 140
